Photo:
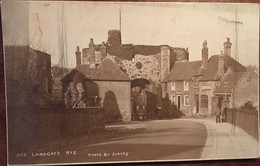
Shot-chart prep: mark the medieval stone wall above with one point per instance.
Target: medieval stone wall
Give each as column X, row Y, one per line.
column 143, row 67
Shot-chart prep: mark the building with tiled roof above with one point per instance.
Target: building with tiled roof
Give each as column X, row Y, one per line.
column 197, row 87
column 210, row 78
column 106, row 71
column 105, row 82
column 212, row 70
column 178, row 85
column 183, row 71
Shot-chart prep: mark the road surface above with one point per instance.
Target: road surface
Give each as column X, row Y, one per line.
column 151, row 140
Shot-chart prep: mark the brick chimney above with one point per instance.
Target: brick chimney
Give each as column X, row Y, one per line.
column 188, row 55
column 91, row 53
column 227, row 47
column 204, row 54
column 221, row 65
column 78, row 56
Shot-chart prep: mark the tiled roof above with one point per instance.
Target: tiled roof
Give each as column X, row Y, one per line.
column 106, row 71
column 183, row 71
column 211, row 71
column 231, row 81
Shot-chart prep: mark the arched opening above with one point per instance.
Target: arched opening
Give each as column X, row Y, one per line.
column 143, row 100
column 140, row 82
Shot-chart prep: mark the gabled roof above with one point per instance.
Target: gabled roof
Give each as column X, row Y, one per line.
column 183, row 71
column 231, row 81
column 211, row 71
column 106, row 71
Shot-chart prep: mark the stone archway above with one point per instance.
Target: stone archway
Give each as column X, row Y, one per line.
column 140, row 82
column 144, row 101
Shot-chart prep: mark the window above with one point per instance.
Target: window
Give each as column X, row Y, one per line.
column 204, row 101
column 186, row 86
column 172, row 85
column 186, row 100
column 173, row 99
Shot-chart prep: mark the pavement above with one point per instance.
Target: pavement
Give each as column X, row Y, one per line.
column 225, row 141
column 124, row 125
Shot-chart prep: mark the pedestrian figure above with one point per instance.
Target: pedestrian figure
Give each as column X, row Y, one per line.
column 218, row 115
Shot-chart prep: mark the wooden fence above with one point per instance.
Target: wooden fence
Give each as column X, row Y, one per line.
column 246, row 119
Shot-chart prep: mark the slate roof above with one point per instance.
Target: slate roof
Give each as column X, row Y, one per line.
column 231, row 81
column 183, row 71
column 211, row 71
column 106, row 71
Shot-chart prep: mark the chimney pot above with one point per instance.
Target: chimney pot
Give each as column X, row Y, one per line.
column 227, row 47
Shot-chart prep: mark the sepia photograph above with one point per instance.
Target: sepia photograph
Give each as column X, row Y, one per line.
column 127, row 82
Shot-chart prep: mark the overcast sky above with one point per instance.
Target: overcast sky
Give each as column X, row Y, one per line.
column 174, row 24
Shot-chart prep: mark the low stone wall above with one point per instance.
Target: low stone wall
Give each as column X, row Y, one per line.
column 245, row 119
column 30, row 128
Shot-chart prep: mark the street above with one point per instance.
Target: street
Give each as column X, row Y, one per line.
column 150, row 140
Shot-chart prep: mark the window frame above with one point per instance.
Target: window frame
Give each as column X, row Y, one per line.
column 204, row 101
column 186, row 88
column 184, row 101
column 173, row 86
column 173, row 98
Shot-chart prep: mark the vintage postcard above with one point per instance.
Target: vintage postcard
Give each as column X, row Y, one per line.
column 114, row 82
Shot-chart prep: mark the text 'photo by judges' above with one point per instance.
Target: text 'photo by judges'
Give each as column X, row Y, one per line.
column 127, row 82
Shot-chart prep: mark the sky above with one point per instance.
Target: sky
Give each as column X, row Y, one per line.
column 175, row 24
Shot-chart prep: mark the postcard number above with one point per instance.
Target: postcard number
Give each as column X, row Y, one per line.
column 21, row 154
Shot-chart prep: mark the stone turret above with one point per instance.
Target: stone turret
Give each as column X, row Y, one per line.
column 114, row 38
column 165, row 61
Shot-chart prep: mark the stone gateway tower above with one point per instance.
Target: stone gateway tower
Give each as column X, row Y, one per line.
column 145, row 65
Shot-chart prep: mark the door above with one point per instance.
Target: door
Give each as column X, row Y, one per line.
column 179, row 102
column 197, row 103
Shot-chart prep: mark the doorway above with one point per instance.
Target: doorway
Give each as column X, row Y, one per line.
column 197, row 103
column 179, row 101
